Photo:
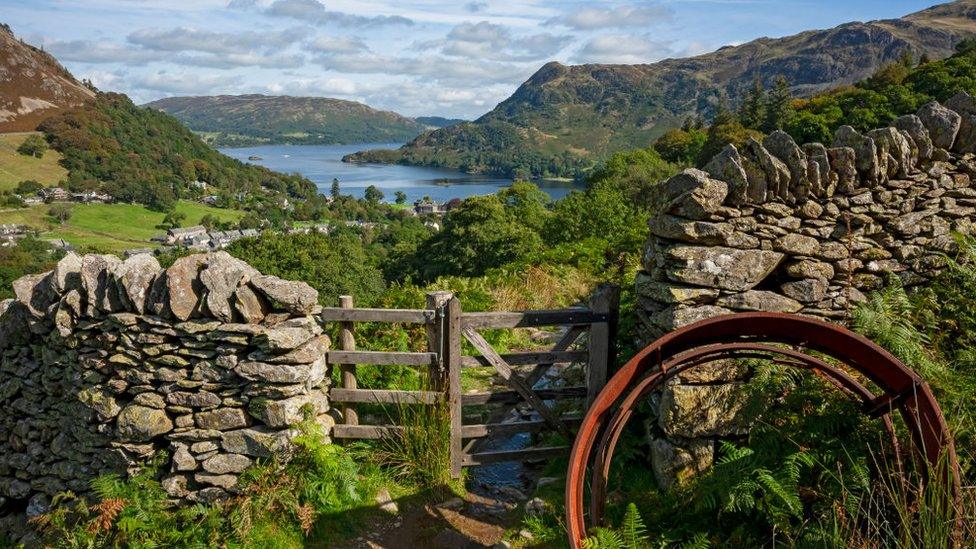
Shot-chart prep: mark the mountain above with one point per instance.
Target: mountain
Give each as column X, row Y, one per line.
column 242, row 120
column 566, row 118
column 439, row 121
column 33, row 85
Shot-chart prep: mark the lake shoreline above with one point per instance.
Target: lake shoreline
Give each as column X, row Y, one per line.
column 323, row 163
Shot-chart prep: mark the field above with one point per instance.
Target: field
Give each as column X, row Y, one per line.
column 15, row 167
column 110, row 227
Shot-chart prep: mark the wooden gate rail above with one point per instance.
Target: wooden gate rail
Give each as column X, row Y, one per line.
column 598, row 320
column 347, row 357
column 446, row 325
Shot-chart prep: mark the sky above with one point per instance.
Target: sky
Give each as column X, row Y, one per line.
column 417, row 57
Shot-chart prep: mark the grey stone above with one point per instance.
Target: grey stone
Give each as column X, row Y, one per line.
column 942, row 124
column 691, row 411
column 134, row 278
column 775, row 173
column 822, row 180
column 222, row 419
column 673, row 465
column 251, row 306
column 183, row 286
column 670, row 293
column 260, row 442
column 806, row 291
column 893, row 145
column 227, row 463
column 782, row 146
column 797, row 244
column 808, row 268
column 758, row 300
column 221, row 277
column 101, row 295
column 183, row 460
column 703, row 197
column 273, row 373
column 865, row 152
column 912, row 125
column 843, row 163
column 294, row 297
column 965, row 105
column 725, row 268
column 225, row 481
column 289, row 411
column 67, row 273
column 141, row 424
column 35, row 292
column 197, row 399
column 727, row 166
column 100, row 401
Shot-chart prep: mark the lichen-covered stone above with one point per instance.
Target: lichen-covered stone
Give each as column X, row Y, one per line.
column 134, row 278
column 724, row 268
column 756, row 300
column 294, row 297
column 705, row 196
column 673, row 465
column 942, row 124
column 139, row 423
column 691, row 411
column 184, row 287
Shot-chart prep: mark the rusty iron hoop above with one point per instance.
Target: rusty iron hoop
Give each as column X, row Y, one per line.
column 748, row 335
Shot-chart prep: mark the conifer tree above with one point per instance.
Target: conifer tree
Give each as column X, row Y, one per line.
column 778, row 105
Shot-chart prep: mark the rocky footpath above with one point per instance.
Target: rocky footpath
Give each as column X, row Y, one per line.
column 807, row 229
column 105, row 364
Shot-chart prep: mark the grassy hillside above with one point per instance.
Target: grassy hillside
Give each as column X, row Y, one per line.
column 16, row 167
column 244, row 120
column 567, row 117
column 110, row 227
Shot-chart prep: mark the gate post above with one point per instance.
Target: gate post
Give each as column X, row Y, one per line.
column 602, row 337
column 452, row 360
column 347, row 342
column 437, row 338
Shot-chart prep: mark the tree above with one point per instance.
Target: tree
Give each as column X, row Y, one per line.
column 335, row 188
column 778, row 105
column 34, row 145
column 373, row 194
column 478, row 235
column 28, row 186
column 752, row 113
column 681, row 146
column 401, row 197
column 334, row 265
column 60, row 212
column 172, row 220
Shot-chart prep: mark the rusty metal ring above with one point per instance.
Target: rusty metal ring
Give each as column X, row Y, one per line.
column 902, row 389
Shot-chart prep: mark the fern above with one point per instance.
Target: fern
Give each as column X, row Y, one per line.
column 633, row 530
column 604, row 538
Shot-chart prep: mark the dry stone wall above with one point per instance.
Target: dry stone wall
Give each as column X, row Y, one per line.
column 106, row 363
column 809, row 229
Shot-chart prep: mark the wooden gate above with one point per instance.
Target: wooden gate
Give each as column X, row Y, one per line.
column 446, row 326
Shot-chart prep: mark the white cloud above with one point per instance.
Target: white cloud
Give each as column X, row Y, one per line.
column 313, row 11
column 614, row 17
column 338, row 44
column 87, row 51
column 193, row 39
column 433, row 67
column 186, row 83
column 485, row 40
column 622, row 48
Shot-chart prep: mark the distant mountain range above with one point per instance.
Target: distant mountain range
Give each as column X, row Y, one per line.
column 566, row 118
column 244, row 120
column 33, row 85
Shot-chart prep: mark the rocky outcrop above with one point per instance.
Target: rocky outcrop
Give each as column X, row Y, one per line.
column 800, row 229
column 104, row 364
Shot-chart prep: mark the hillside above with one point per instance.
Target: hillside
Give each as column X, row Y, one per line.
column 567, row 117
column 242, row 120
column 33, row 85
column 142, row 155
column 16, row 167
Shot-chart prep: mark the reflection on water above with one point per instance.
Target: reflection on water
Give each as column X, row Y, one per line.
column 322, row 163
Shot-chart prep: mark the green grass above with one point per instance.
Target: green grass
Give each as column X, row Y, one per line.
column 16, row 167
column 110, row 227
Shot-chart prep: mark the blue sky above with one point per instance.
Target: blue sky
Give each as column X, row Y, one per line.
column 418, row 57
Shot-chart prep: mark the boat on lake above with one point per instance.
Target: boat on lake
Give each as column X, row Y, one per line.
column 254, row 157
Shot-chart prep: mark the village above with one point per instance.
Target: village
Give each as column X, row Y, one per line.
column 196, row 237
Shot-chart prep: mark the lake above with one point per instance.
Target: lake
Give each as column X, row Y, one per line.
column 322, row 163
